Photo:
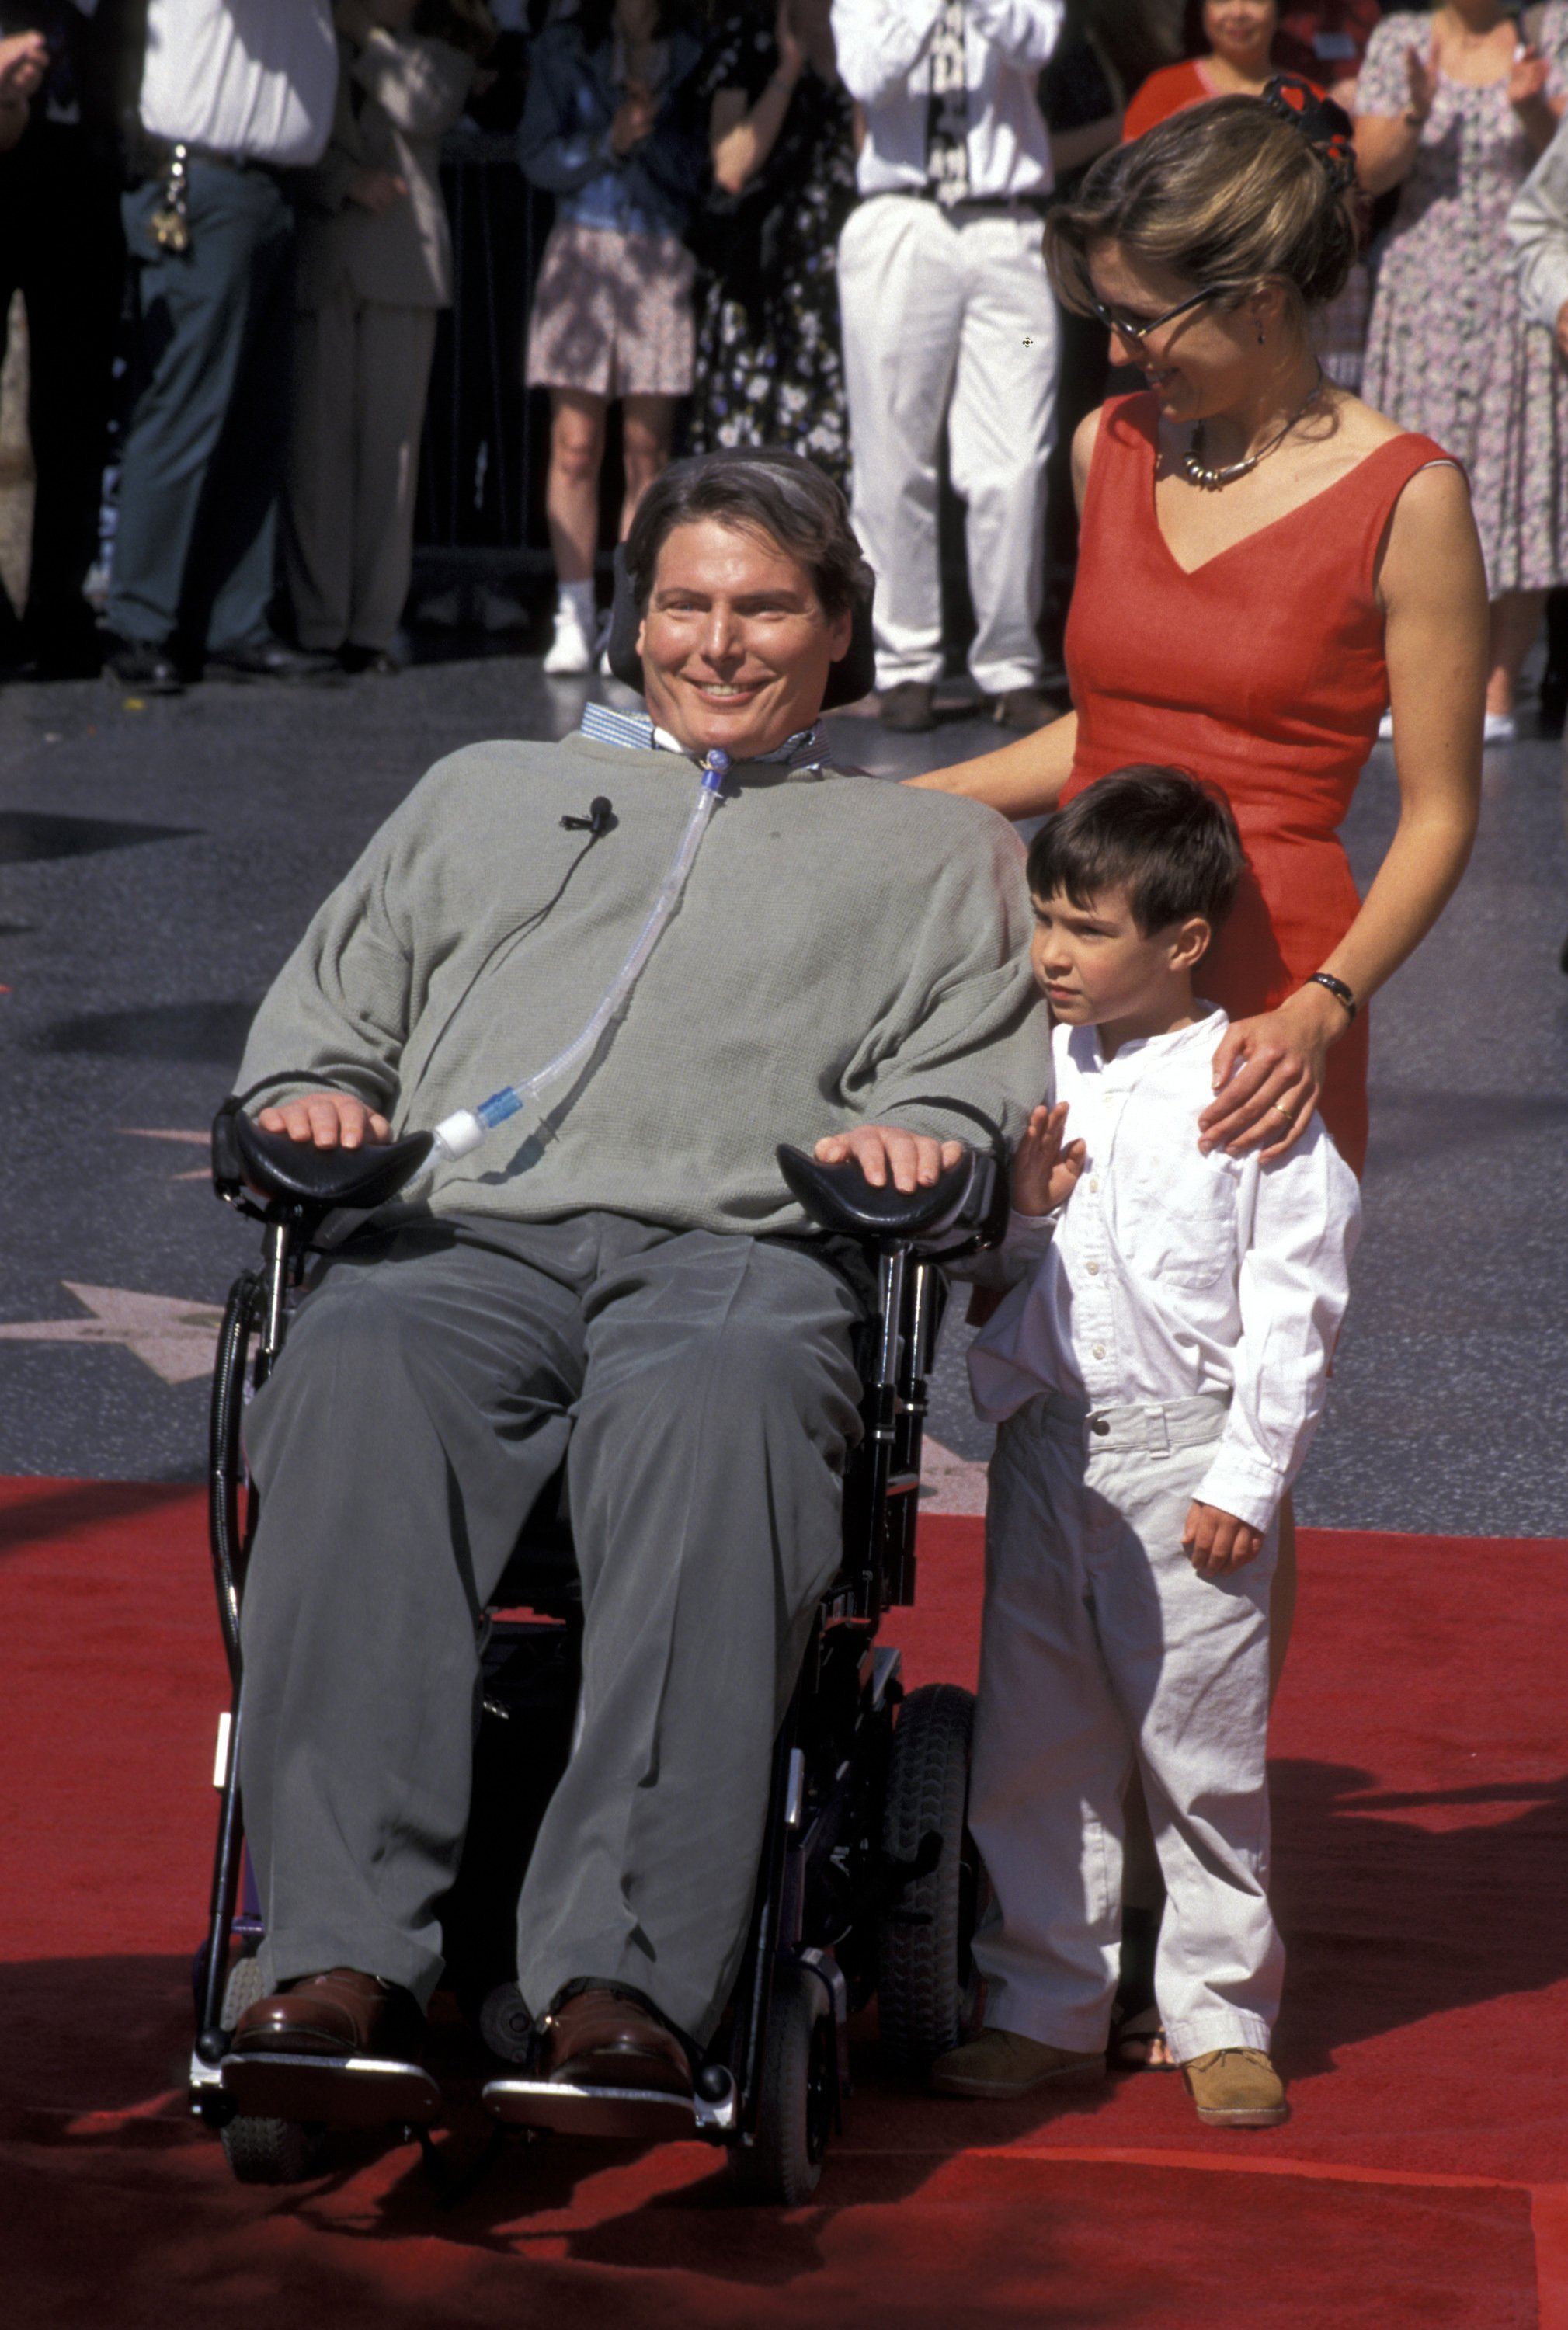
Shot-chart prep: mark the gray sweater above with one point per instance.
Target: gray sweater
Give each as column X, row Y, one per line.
column 846, row 951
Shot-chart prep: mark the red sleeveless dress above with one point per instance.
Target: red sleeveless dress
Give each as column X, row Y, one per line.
column 1262, row 672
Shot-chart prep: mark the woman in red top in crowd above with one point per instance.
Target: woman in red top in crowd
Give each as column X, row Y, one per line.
column 1240, row 62
column 1263, row 561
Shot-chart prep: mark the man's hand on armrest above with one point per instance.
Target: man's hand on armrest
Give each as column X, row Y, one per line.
column 329, row 1120
column 913, row 1159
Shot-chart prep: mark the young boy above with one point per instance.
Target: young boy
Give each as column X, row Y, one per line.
column 1157, row 1376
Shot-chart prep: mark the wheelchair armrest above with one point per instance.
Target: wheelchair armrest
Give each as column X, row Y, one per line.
column 295, row 1171
column 961, row 1206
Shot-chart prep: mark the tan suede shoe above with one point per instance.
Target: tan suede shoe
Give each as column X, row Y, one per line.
column 1236, row 2087
column 1002, row 2063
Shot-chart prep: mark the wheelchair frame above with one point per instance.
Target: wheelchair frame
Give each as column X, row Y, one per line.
column 828, row 1887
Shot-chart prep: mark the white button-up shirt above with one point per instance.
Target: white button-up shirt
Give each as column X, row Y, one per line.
column 1169, row 1273
column 884, row 48
column 257, row 78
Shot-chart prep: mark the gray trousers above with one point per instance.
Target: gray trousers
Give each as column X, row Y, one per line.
column 703, row 1390
column 360, row 370
column 1101, row 1646
column 196, row 537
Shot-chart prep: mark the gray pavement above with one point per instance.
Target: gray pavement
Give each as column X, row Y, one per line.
column 157, row 865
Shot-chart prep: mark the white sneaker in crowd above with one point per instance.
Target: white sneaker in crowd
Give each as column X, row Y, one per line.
column 571, row 650
column 1385, row 728
column 602, row 646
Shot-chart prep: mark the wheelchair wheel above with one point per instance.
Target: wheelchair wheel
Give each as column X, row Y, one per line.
column 925, row 1975
column 781, row 2166
column 266, row 2151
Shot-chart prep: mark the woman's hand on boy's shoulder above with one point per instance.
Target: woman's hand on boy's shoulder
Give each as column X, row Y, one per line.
column 1045, row 1168
column 1216, row 1543
column 1268, row 1072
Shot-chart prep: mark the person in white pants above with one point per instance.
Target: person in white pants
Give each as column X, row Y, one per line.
column 1157, row 1376
column 947, row 316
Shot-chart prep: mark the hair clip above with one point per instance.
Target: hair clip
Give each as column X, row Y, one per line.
column 1325, row 126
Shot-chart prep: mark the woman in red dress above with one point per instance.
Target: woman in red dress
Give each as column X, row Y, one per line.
column 1264, row 561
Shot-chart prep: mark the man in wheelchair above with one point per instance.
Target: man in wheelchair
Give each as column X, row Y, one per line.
column 619, row 1279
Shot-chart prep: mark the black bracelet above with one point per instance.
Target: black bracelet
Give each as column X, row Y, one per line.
column 1336, row 988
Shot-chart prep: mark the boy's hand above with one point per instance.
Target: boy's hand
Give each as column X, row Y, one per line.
column 1045, row 1173
column 1217, row 1542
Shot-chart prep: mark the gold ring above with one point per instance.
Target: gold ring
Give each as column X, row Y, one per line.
column 1279, row 1110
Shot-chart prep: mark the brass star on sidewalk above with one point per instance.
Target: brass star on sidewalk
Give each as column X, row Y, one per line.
column 176, row 1339
column 142, row 1132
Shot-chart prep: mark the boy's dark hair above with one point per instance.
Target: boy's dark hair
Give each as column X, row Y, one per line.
column 769, row 490
column 1169, row 841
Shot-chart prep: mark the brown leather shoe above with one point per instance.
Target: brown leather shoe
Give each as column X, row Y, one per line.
column 343, row 2012
column 1236, row 2087
column 600, row 2038
column 1001, row 2064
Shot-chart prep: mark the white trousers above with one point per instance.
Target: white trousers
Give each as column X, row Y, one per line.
column 360, row 374
column 1103, row 1645
column 949, row 318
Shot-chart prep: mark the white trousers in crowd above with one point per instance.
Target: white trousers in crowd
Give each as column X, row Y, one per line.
column 1101, row 1645
column 362, row 371
column 949, row 316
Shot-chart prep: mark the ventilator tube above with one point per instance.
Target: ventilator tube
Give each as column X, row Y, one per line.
column 459, row 1134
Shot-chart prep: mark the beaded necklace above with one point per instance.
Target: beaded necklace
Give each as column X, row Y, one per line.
column 1194, row 466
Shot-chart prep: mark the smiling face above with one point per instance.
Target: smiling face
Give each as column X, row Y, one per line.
column 734, row 643
column 1208, row 360
column 1096, row 967
column 1241, row 31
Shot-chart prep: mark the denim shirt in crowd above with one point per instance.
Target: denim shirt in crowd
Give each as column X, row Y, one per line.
column 564, row 140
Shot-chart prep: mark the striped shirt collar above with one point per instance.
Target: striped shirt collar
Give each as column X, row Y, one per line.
column 635, row 731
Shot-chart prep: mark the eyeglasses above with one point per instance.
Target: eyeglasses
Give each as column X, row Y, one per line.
column 1125, row 328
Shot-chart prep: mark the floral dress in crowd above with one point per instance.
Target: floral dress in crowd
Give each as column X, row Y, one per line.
column 1448, row 350
column 770, row 366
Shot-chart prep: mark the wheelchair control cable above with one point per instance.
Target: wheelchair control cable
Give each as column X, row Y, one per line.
column 460, row 1134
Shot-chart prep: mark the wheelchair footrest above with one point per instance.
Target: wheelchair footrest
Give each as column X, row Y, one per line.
column 641, row 2114
column 340, row 2090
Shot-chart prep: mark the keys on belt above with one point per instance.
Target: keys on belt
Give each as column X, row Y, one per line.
column 170, row 224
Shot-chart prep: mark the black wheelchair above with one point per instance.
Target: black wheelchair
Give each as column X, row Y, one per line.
column 867, row 1881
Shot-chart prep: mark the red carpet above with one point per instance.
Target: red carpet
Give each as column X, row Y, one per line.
column 1422, row 1882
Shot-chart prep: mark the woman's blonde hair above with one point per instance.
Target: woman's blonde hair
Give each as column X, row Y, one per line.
column 1228, row 192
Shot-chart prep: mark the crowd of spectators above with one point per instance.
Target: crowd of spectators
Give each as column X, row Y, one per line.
column 809, row 222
